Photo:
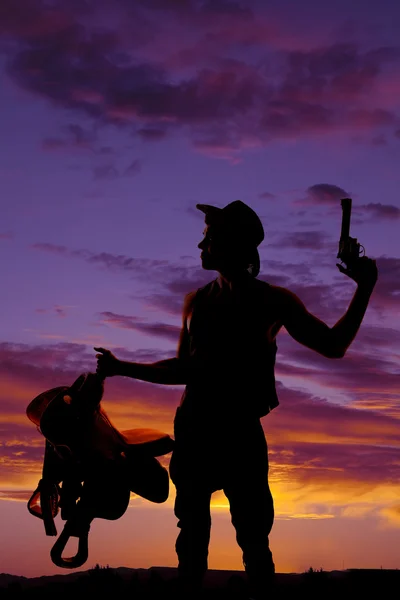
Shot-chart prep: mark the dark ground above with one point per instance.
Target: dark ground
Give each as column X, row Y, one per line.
column 159, row 583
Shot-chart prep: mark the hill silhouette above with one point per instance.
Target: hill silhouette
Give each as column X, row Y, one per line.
column 159, row 582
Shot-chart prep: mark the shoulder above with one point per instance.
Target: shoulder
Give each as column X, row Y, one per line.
column 285, row 295
column 282, row 298
column 190, row 297
column 268, row 290
column 288, row 304
column 188, row 302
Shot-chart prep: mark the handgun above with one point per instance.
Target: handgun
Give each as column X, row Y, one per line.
column 349, row 248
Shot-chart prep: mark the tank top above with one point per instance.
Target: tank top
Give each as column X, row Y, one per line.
column 232, row 350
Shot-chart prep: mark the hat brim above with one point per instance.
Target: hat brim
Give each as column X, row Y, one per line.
column 213, row 213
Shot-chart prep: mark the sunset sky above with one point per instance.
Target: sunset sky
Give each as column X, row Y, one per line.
column 117, row 117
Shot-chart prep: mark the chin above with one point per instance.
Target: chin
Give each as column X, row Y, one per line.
column 207, row 265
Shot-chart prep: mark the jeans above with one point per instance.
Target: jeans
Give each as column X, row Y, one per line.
column 232, row 457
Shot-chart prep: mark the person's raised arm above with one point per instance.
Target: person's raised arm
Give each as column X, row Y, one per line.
column 172, row 371
column 308, row 330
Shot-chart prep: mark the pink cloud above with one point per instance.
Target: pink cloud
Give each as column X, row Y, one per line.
column 328, row 442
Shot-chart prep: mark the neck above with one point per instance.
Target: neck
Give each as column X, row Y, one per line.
column 230, row 280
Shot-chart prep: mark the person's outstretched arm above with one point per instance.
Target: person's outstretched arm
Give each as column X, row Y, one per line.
column 165, row 372
column 172, row 371
column 308, row 330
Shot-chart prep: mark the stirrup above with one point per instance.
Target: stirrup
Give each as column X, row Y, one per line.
column 72, row 528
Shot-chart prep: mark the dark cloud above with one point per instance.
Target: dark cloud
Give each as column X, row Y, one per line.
column 140, row 266
column 380, row 211
column 369, row 465
column 171, row 280
column 133, row 169
column 34, row 21
column 387, row 290
column 52, row 248
column 267, row 196
column 164, row 330
column 330, row 195
column 301, row 240
column 366, row 376
column 378, row 336
column 110, row 171
column 41, row 367
column 325, row 194
column 226, row 7
column 219, row 101
column 339, row 70
column 196, row 9
column 51, row 143
column 315, row 418
column 103, row 172
column 379, row 140
column 76, row 138
column 292, row 270
column 151, row 134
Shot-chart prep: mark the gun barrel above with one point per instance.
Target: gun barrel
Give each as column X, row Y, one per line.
column 346, row 211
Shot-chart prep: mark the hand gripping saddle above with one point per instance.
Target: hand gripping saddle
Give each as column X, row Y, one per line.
column 89, row 467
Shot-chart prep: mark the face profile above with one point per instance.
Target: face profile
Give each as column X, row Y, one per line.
column 221, row 251
column 212, row 250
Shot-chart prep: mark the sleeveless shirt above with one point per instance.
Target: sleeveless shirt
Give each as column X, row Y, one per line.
column 232, row 350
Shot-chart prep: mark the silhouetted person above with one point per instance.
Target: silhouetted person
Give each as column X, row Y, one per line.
column 225, row 359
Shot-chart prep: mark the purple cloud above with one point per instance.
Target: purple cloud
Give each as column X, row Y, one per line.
column 77, row 138
column 59, row 310
column 175, row 280
column 301, row 240
column 133, row 169
column 379, row 211
column 202, row 88
column 267, row 196
column 151, row 134
column 164, row 330
column 325, row 194
column 104, row 172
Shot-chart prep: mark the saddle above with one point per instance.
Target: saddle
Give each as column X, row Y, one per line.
column 90, row 467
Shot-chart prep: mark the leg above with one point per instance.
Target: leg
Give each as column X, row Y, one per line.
column 192, row 509
column 192, row 476
column 252, row 511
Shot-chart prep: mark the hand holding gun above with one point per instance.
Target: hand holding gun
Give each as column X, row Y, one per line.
column 361, row 269
column 349, row 248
